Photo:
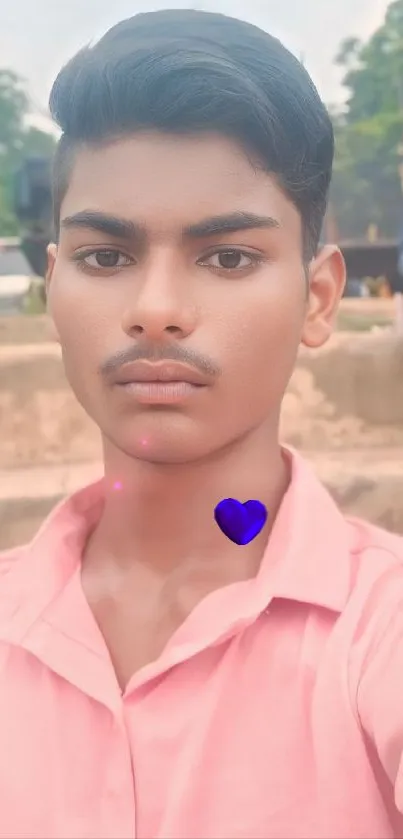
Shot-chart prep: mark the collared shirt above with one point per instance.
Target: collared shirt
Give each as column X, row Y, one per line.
column 275, row 710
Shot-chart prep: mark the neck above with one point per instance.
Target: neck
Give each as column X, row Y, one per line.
column 163, row 515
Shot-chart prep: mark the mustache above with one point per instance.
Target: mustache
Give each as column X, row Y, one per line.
column 146, row 352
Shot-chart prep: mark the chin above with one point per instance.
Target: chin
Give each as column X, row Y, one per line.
column 164, row 442
column 164, row 453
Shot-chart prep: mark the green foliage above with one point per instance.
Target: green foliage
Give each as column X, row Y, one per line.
column 8, row 221
column 366, row 184
column 13, row 107
column 374, row 74
column 17, row 141
column 366, row 187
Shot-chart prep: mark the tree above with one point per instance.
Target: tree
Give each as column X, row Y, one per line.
column 17, row 140
column 366, row 186
column 13, row 107
column 374, row 71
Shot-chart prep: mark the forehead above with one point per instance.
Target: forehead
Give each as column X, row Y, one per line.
column 161, row 179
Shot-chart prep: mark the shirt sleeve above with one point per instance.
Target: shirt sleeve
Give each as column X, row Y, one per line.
column 380, row 693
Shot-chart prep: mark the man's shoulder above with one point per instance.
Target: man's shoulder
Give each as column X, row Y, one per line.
column 10, row 557
column 371, row 542
column 376, row 569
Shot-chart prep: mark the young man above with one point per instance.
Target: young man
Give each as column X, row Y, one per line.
column 158, row 679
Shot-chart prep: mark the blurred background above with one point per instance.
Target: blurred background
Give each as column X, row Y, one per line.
column 344, row 405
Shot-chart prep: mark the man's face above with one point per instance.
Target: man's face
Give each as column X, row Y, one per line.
column 232, row 304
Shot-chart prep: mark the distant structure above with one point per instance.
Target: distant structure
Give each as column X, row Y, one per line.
column 33, row 208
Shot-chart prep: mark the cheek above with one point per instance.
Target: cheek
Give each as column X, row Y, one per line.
column 79, row 318
column 263, row 335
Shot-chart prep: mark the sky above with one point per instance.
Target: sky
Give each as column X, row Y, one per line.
column 38, row 36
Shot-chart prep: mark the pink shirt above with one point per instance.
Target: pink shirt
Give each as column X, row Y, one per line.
column 276, row 710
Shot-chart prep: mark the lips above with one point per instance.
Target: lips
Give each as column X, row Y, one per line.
column 164, row 372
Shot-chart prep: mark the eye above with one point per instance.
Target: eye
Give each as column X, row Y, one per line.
column 231, row 259
column 107, row 258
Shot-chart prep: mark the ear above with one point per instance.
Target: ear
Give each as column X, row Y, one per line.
column 51, row 255
column 51, row 252
column 327, row 277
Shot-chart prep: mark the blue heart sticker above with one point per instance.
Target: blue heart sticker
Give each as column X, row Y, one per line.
column 240, row 522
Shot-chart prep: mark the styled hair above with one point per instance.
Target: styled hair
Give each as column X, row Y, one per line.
column 192, row 72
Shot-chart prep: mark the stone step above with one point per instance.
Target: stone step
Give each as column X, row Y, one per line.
column 42, row 482
column 28, row 495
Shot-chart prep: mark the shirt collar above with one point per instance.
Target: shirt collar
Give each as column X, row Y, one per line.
column 36, row 573
column 307, row 559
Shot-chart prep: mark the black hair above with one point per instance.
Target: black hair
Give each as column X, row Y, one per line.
column 186, row 72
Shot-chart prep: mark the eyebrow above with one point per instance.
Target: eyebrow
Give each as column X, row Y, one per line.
column 121, row 228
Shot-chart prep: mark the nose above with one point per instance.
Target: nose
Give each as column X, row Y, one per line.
column 160, row 305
